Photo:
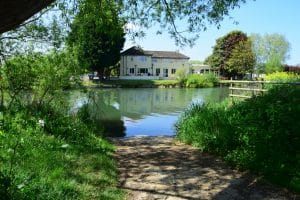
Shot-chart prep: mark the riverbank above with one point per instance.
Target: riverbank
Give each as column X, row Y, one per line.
column 187, row 81
column 46, row 154
column 163, row 168
column 131, row 83
column 260, row 134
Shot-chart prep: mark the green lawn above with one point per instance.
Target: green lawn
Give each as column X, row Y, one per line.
column 131, row 83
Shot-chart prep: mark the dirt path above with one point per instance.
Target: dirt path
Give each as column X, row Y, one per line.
column 159, row 168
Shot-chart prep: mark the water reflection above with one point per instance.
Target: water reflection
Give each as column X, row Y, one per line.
column 142, row 111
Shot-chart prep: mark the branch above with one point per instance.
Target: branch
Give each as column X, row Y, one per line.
column 169, row 13
column 14, row 13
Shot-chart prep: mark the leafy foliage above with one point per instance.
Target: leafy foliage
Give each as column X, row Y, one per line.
column 97, row 34
column 47, row 153
column 45, row 76
column 45, row 31
column 198, row 15
column 181, row 75
column 232, row 54
column 242, row 59
column 271, row 51
column 260, row 134
column 274, row 64
column 201, row 81
column 282, row 77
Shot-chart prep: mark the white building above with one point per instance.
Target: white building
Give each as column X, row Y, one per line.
column 137, row 63
column 198, row 68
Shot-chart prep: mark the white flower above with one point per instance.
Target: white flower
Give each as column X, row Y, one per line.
column 41, row 123
column 64, row 146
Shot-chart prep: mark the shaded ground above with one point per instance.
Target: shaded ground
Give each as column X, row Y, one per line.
column 159, row 168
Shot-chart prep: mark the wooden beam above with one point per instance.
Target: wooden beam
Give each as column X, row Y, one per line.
column 248, row 89
column 240, row 96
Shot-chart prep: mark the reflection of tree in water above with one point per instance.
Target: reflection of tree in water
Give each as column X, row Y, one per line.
column 217, row 95
column 107, row 107
column 106, row 117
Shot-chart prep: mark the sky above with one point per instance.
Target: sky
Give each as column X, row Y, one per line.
column 259, row 16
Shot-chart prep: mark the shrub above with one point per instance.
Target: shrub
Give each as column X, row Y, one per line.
column 181, row 76
column 282, row 77
column 47, row 153
column 260, row 134
column 201, row 81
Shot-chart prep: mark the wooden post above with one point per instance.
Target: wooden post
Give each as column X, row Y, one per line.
column 231, row 85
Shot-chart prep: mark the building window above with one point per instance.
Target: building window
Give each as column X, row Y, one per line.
column 143, row 58
column 143, row 71
column 131, row 58
column 173, row 71
column 165, row 73
column 154, row 60
column 157, row 71
column 131, row 70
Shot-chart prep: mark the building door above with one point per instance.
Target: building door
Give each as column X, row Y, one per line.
column 165, row 73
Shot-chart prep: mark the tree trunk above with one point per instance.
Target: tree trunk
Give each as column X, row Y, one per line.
column 15, row 12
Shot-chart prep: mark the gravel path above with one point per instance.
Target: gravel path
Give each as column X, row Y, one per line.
column 161, row 168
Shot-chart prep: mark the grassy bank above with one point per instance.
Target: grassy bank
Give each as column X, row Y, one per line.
column 46, row 152
column 191, row 81
column 54, row 156
column 260, row 134
column 132, row 83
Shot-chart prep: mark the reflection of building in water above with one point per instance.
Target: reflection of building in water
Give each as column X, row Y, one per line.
column 134, row 104
column 113, row 104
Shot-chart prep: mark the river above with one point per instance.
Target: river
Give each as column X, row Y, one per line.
column 141, row 111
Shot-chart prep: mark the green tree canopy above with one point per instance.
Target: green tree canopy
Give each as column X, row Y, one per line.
column 196, row 14
column 97, row 34
column 242, row 59
column 271, row 51
column 227, row 49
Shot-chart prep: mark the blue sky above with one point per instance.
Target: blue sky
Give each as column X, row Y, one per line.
column 260, row 16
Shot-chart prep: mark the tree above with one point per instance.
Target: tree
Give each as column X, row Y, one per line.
column 270, row 49
column 273, row 64
column 223, row 50
column 144, row 13
column 44, row 32
column 14, row 13
column 98, row 35
column 242, row 59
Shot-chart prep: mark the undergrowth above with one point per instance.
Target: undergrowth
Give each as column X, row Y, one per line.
column 260, row 134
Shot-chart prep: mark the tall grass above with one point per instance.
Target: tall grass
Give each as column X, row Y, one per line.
column 260, row 134
column 45, row 152
column 61, row 160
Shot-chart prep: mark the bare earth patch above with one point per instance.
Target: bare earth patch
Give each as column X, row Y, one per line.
column 161, row 168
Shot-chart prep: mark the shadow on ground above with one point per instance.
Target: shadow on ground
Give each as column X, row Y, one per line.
column 159, row 168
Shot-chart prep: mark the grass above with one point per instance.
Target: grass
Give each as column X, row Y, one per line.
column 63, row 160
column 131, row 83
column 194, row 80
column 260, row 134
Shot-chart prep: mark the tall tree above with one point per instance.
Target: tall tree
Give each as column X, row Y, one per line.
column 242, row 59
column 222, row 52
column 270, row 50
column 97, row 34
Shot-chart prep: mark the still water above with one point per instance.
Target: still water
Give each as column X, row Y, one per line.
column 144, row 111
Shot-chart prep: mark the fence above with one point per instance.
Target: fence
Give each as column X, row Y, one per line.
column 247, row 89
